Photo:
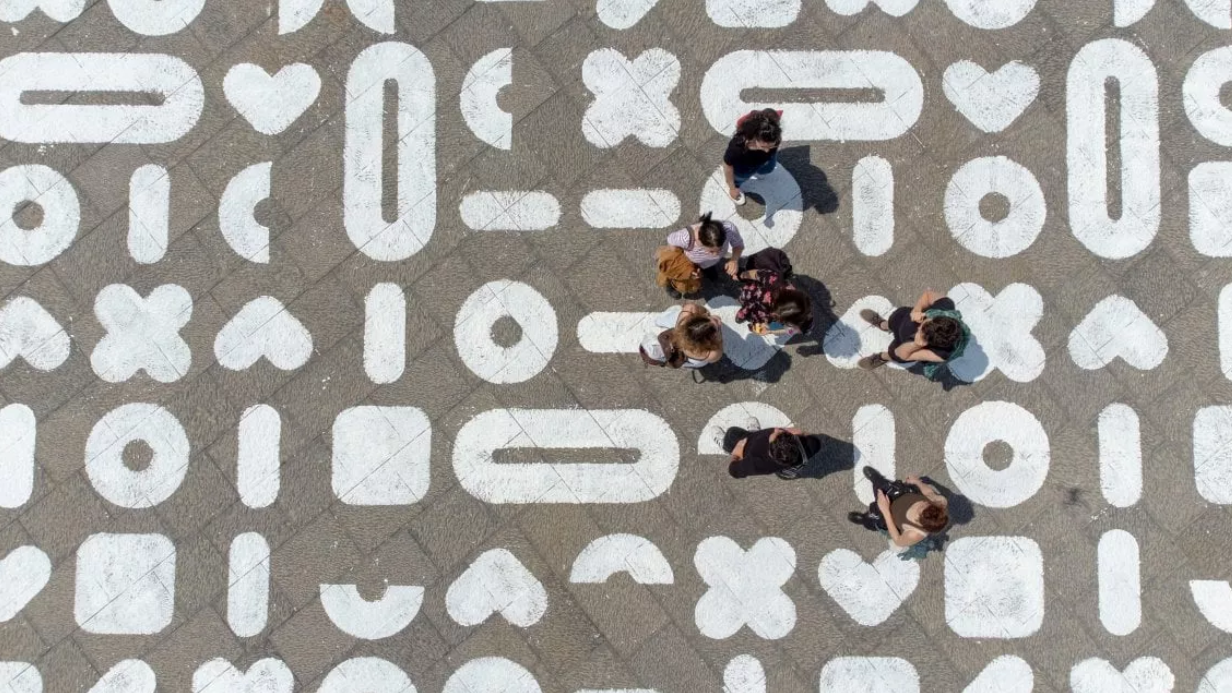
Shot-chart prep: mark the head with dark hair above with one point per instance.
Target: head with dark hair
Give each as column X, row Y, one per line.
column 785, row 449
column 793, row 307
column 943, row 333
column 762, row 126
column 711, row 232
column 934, row 518
column 700, row 333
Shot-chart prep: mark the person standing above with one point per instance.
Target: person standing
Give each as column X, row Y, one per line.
column 706, row 243
column 753, row 150
column 931, row 331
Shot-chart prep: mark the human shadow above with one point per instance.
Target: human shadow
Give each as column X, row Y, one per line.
column 834, row 456
column 726, row 371
column 824, row 316
column 815, row 186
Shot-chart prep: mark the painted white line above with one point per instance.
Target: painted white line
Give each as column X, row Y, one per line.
column 149, row 213
column 869, row 675
column 753, row 14
column 1212, row 454
column 872, row 205
column 21, row 677
column 1120, row 455
column 385, row 333
column 18, row 429
column 873, row 435
column 637, row 208
column 156, row 17
column 509, row 210
column 258, row 457
column 248, row 584
column 1210, row 207
column 1120, row 582
column 1225, row 330
column 894, row 8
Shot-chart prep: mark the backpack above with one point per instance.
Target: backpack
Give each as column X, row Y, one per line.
column 658, row 350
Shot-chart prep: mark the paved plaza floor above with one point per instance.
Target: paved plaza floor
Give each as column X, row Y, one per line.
column 320, row 323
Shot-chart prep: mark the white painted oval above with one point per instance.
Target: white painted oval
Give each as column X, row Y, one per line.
column 989, row 422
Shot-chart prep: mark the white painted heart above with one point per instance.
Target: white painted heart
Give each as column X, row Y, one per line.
column 1143, row 675
column 738, row 414
column 263, row 328
column 991, row 100
column 869, row 593
column 268, row 675
column 623, row 14
column 851, row 338
column 271, row 103
column 23, row 574
column 1214, row 600
column 894, row 8
column 127, row 676
column 1117, row 328
column 62, row 11
column 1005, row 674
column 496, row 582
column 28, row 330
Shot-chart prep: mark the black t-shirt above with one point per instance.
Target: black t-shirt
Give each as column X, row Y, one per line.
column 757, row 461
column 904, row 328
column 739, row 156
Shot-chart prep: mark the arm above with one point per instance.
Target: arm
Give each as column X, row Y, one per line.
column 910, row 352
column 729, row 174
column 737, row 249
column 927, row 489
column 928, row 298
column 680, row 238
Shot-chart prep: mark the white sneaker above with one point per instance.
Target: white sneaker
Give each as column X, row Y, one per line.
column 741, row 200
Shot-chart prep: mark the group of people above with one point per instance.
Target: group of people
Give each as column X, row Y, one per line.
column 929, row 333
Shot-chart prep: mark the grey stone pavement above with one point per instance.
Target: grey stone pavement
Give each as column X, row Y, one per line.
column 619, row 634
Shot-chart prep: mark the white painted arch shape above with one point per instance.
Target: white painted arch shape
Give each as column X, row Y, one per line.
column 236, row 213
column 738, row 414
column 371, row 620
column 621, row 553
column 491, row 675
column 480, row 438
column 480, row 88
column 367, row 674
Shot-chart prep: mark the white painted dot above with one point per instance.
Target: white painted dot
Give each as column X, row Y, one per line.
column 494, row 363
column 1006, row 237
column 990, row 422
column 137, row 422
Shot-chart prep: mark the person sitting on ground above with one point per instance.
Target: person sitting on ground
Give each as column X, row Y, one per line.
column 909, row 511
column 753, row 150
column 706, row 243
column 932, row 332
column 768, row 299
column 767, row 451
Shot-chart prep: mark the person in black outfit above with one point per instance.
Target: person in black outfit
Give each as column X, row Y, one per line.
column 767, row 451
column 917, row 337
column 753, row 150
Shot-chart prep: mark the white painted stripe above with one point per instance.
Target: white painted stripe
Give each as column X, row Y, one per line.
column 615, row 333
column 1210, row 207
column 869, row 675
column 630, row 209
column 18, row 429
column 746, row 14
column 872, row 433
column 1120, row 582
column 259, row 457
column 248, row 583
column 1225, row 331
column 149, row 213
column 872, row 205
column 1120, row 455
column 1212, row 446
column 385, row 333
column 509, row 210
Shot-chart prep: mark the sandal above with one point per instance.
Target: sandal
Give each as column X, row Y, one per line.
column 871, row 317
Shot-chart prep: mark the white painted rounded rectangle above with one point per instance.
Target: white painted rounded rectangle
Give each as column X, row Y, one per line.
column 1120, row 582
column 149, row 213
column 615, row 333
column 509, row 210
column 872, row 205
column 259, row 456
column 248, row 580
column 1120, row 455
column 630, row 209
column 381, row 455
column 385, row 333
column 18, row 429
column 1212, row 446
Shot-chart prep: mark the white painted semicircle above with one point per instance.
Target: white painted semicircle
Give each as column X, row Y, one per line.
column 621, row 553
column 478, row 98
column 371, row 620
column 236, row 213
column 736, row 415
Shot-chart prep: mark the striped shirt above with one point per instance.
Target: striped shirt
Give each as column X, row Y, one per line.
column 701, row 255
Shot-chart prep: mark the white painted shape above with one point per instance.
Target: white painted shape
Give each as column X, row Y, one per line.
column 143, row 334
column 271, row 103
column 875, row 440
column 1120, row 582
column 61, row 213
column 745, row 588
column 1218, row 679
column 63, row 11
column 869, row 675
column 259, row 458
column 491, row 675
column 988, row 422
column 632, row 97
column 1127, row 12
column 1087, row 155
column 172, row 79
column 377, row 15
column 991, row 14
column 753, row 14
column 366, row 674
column 24, row 572
column 263, row 328
column 637, row 208
column 160, row 431
column 127, row 676
column 623, row 14
column 1210, row 207
column 371, row 620
column 237, row 213
column 509, row 210
column 1143, row 675
column 621, row 553
column 984, row 176
column 248, row 584
column 1005, row 674
column 267, row 675
column 18, row 429
column 872, row 205
column 156, row 17
column 1200, row 96
column 385, row 333
column 496, row 582
column 125, row 584
column 1214, row 599
column 1217, row 13
column 29, row 331
column 472, row 332
column 1001, row 327
column 744, row 674
column 994, row 587
column 381, row 455
column 20, row 677
column 1120, row 455
column 1117, row 328
column 478, row 98
column 616, row 333
column 894, row 8
column 294, row 15
column 886, row 72
column 364, row 152
column 992, row 101
column 738, row 414
column 1212, row 445
column 869, row 592
column 784, row 210
column 1224, row 320
column 480, row 438
column 851, row 338
column 149, row 213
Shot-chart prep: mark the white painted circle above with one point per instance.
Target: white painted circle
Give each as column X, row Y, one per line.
column 1203, row 83
column 990, row 422
column 995, row 239
column 114, row 480
column 61, row 215
column 472, row 332
column 991, row 14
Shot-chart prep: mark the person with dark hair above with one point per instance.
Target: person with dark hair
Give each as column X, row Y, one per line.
column 767, row 451
column 768, row 299
column 932, row 332
column 908, row 511
column 753, row 150
column 706, row 243
column 698, row 335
